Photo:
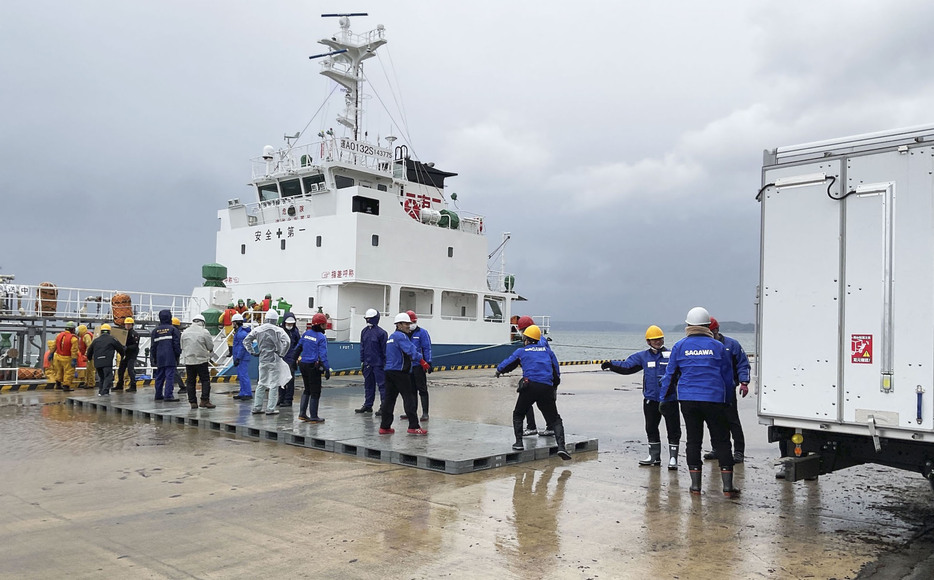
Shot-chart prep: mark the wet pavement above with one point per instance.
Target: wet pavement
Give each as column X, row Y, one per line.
column 88, row 494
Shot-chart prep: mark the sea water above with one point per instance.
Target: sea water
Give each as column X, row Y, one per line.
column 578, row 345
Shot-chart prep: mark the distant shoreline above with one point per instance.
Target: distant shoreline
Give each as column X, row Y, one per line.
column 604, row 326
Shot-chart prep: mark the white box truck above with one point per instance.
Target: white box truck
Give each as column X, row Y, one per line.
column 845, row 318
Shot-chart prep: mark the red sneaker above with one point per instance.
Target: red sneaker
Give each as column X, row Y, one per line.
column 386, row 431
column 418, row 432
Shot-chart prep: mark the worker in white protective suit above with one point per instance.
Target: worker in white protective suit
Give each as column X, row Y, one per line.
column 272, row 343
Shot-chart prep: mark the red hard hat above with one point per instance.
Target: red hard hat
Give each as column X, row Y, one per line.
column 714, row 325
column 412, row 315
column 319, row 319
column 524, row 322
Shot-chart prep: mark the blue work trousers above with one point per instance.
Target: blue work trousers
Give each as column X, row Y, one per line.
column 373, row 378
column 243, row 377
column 165, row 377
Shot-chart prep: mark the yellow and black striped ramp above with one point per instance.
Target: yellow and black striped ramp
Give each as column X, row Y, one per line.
column 25, row 387
column 580, row 362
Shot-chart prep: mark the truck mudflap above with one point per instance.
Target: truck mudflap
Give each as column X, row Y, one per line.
column 822, row 452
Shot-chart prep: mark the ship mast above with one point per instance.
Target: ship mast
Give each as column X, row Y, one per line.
column 344, row 65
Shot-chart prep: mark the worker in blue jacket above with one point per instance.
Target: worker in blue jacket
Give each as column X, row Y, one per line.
column 164, row 350
column 700, row 371
column 530, row 427
column 422, row 341
column 287, row 391
column 740, row 364
column 241, row 358
column 401, row 354
column 313, row 363
column 539, row 385
column 372, row 361
column 653, row 362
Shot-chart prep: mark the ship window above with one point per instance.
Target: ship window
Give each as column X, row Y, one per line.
column 493, row 307
column 313, row 183
column 290, row 188
column 381, row 187
column 318, row 241
column 311, row 302
column 365, row 205
column 282, row 244
column 450, row 251
column 375, row 240
column 342, row 181
column 418, row 300
column 455, row 305
column 268, row 191
column 242, row 248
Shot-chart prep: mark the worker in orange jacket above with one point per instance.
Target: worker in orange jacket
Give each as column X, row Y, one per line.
column 65, row 360
column 86, row 379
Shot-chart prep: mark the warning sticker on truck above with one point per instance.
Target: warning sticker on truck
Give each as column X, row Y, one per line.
column 861, row 349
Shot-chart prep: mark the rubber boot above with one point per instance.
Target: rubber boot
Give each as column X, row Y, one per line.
column 727, row 476
column 559, row 439
column 655, row 455
column 424, row 398
column 695, row 481
column 517, row 428
column 303, row 405
column 673, row 457
column 314, row 418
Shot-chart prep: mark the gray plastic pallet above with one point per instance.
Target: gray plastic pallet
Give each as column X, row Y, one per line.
column 452, row 446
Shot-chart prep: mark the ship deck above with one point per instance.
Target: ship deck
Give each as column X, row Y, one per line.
column 452, row 446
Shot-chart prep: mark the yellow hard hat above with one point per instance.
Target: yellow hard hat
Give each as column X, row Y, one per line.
column 176, row 321
column 128, row 320
column 82, row 329
column 653, row 332
column 51, row 343
column 533, row 332
column 105, row 327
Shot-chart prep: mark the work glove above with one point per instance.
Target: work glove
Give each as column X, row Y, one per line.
column 327, row 374
column 744, row 389
column 606, row 365
column 236, row 362
column 430, row 368
column 362, row 367
column 74, row 363
column 497, row 374
column 424, row 364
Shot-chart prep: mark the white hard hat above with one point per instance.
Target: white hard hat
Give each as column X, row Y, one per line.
column 698, row 316
column 198, row 318
column 290, row 320
column 402, row 317
column 370, row 313
column 236, row 317
column 272, row 316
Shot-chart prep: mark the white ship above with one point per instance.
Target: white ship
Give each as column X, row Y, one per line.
column 342, row 224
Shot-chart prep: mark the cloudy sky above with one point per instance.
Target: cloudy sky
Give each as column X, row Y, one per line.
column 620, row 142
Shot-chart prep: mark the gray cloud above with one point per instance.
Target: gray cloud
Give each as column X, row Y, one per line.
column 619, row 142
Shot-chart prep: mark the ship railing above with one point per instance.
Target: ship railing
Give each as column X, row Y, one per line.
column 18, row 301
column 348, row 37
column 340, row 329
column 497, row 281
column 293, row 160
column 277, row 210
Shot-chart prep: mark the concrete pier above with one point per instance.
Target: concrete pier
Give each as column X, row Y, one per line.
column 99, row 494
